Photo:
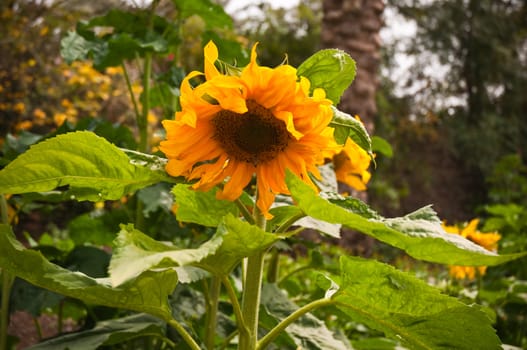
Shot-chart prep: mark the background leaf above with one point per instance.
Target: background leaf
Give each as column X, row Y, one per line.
column 332, row 70
column 136, row 253
column 213, row 14
column 93, row 168
column 148, row 293
column 419, row 234
column 409, row 310
column 106, row 333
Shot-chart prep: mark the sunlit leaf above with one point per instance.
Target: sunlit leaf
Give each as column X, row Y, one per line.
column 332, row 70
column 409, row 310
column 148, row 293
column 419, row 234
column 93, row 168
column 240, row 240
column 136, row 253
column 201, row 207
column 107, row 333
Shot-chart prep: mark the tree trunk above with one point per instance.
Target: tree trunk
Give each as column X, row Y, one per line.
column 354, row 26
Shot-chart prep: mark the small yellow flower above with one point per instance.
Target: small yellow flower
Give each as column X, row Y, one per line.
column 261, row 123
column 488, row 241
column 39, row 113
column 351, row 166
column 19, row 107
column 24, row 125
column 59, row 118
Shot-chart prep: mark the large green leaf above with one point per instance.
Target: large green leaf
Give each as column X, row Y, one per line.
column 419, row 234
column 136, row 253
column 148, row 293
column 201, row 207
column 308, row 332
column 332, row 70
column 106, row 333
column 409, row 310
column 93, row 168
column 240, row 239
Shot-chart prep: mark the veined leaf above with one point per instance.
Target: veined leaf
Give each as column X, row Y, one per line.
column 240, row 239
column 419, row 234
column 93, row 168
column 347, row 126
column 201, row 207
column 110, row 332
column 136, row 253
column 409, row 310
column 332, row 70
column 148, row 293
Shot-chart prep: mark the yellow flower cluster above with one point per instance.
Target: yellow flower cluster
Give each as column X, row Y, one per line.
column 488, row 241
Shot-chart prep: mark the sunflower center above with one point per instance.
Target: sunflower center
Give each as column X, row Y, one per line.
column 255, row 137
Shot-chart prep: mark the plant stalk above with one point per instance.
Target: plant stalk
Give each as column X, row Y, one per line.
column 279, row 328
column 7, row 283
column 251, row 291
column 184, row 334
column 212, row 314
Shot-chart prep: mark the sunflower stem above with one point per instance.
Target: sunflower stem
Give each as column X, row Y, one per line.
column 279, row 328
column 212, row 314
column 251, row 291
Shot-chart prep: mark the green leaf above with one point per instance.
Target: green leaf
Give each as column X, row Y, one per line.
column 419, row 234
column 347, row 126
column 130, row 36
column 332, row 70
column 201, row 207
column 308, row 331
column 93, row 168
column 213, row 14
column 380, row 145
column 409, row 310
column 148, row 293
column 240, row 239
column 136, row 253
column 106, row 333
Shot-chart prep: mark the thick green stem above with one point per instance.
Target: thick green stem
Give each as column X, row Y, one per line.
column 279, row 328
column 251, row 292
column 7, row 282
column 273, row 270
column 212, row 312
column 184, row 334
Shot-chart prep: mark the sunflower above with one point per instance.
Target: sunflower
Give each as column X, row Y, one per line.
column 488, row 241
column 260, row 123
column 351, row 165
